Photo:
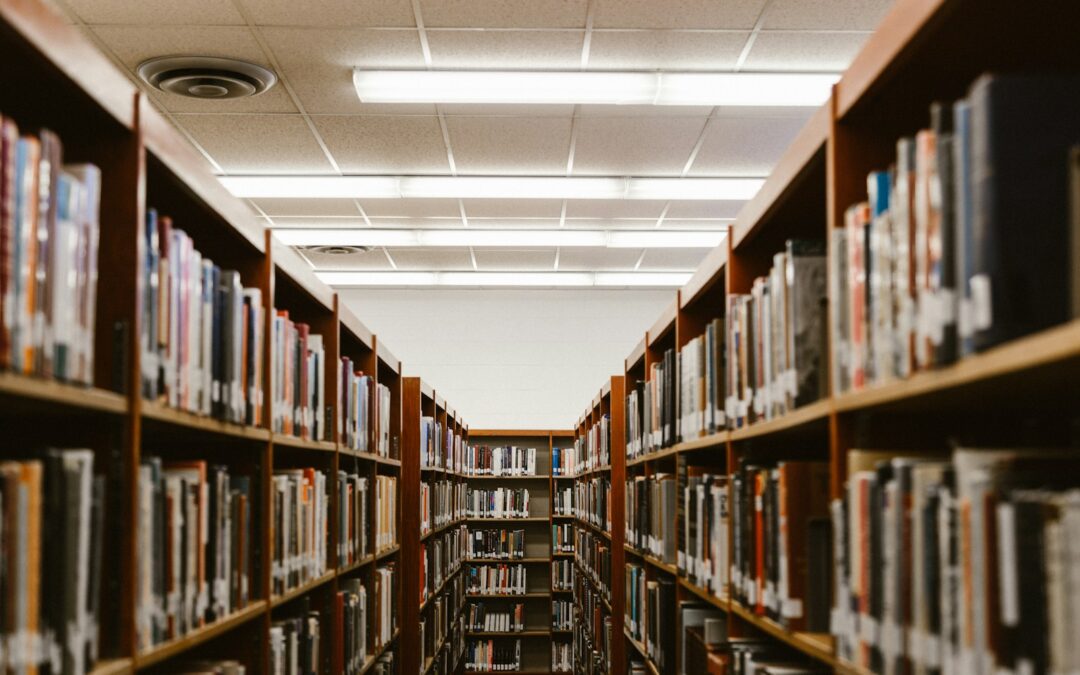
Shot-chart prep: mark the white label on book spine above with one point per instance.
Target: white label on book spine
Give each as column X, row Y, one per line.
column 868, row 629
column 1009, row 572
column 931, row 650
column 982, row 302
column 791, row 608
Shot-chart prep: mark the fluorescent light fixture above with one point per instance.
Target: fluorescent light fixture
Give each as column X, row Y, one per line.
column 478, row 238
column 592, row 87
column 506, row 279
column 491, row 187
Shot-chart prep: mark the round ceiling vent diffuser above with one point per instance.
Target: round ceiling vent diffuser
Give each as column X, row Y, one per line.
column 206, row 77
column 338, row 250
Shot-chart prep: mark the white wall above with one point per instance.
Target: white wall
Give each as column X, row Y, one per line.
column 513, row 359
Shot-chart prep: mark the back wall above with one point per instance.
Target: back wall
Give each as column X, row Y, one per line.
column 511, row 359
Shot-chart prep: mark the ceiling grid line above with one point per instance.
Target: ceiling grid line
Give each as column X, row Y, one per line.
column 256, row 33
column 586, row 42
column 573, row 142
column 663, row 214
column 389, row 258
column 640, row 258
column 745, row 53
column 363, row 213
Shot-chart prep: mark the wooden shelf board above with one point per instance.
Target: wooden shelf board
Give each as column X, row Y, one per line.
column 670, row 451
column 166, row 650
column 379, row 652
column 519, row 433
column 536, row 477
column 702, row 594
column 1047, row 349
column 665, row 323
column 703, row 442
column 509, row 634
column 52, row 392
column 559, row 516
column 818, row 646
column 633, row 551
column 294, row 593
column 636, row 355
column 303, row 443
column 442, row 587
column 660, row 565
column 530, row 519
column 352, row 567
column 440, row 530
column 506, row 561
column 640, row 648
column 388, row 461
column 562, row 554
column 818, row 411
column 387, row 552
column 507, row 596
column 594, row 528
column 120, row 666
column 709, row 270
column 160, row 413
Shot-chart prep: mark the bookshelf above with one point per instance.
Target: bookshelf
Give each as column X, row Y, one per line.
column 101, row 118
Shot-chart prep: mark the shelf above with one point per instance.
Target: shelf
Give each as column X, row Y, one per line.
column 654, row 456
column 294, row 593
column 507, row 596
column 594, row 528
column 530, row 519
column 818, row 646
column 111, row 667
column 166, row 650
column 633, row 551
column 702, row 594
column 50, row 393
column 303, row 443
column 641, row 650
column 442, row 587
column 443, row 528
column 387, row 552
column 562, row 554
column 352, row 567
column 501, row 561
column 535, row 477
column 797, row 419
column 557, row 516
column 379, row 652
column 180, row 418
column 660, row 565
column 509, row 634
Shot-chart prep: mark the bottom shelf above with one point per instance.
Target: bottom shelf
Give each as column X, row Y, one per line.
column 818, row 646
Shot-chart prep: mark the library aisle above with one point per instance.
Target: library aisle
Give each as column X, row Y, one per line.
column 844, row 439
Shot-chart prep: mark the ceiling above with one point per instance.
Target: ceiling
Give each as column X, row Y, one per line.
column 313, row 123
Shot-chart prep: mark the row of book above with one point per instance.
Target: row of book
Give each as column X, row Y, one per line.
column 442, row 626
column 563, row 461
column 49, row 233
column 492, row 544
column 201, row 335
column 745, row 655
column 562, row 538
column 651, row 503
column 649, row 610
column 298, row 369
column 493, row 655
column 651, row 409
column 440, row 558
column 591, row 499
column 296, row 644
column 593, row 450
column 950, row 254
column 51, row 541
column 353, row 608
column 194, row 555
column 562, row 501
column 441, row 503
column 364, row 423
column 353, row 523
column 480, row 618
column 702, row 385
column 593, row 554
column 562, row 574
column 441, row 447
column 500, row 579
column 498, row 503
column 704, row 549
column 562, row 657
column 959, row 564
column 777, row 337
column 562, row 614
column 592, row 634
column 483, row 460
column 780, row 535
column 216, row 667
column 301, row 509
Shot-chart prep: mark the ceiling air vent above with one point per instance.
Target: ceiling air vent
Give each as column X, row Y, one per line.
column 337, row 250
column 206, row 77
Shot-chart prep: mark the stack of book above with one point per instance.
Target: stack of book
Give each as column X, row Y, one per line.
column 49, row 232
column 776, row 337
column 353, row 522
column 504, row 461
column 202, row 333
column 52, row 540
column 492, row 544
column 941, row 262
column 188, row 575
column 297, row 366
column 301, row 508
column 702, row 383
column 498, row 503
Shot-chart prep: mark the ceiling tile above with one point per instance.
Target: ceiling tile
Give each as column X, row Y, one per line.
column 411, row 223
column 734, row 14
column 257, row 144
column 319, row 63
column 505, row 49
column 335, row 13
column 156, row 12
column 308, row 207
column 672, row 259
column 644, row 146
column 432, row 259
column 825, row 14
column 792, row 51
column 611, row 224
column 698, row 224
column 614, row 208
column 513, row 208
column 377, row 144
column 574, row 259
column 323, row 222
column 373, row 260
column 513, row 223
column 728, row 151
column 670, row 50
column 509, row 145
column 703, row 209
column 504, row 13
column 134, row 44
column 643, row 111
column 411, row 208
column 510, row 260
column 505, row 110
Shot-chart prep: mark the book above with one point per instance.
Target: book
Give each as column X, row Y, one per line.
column 497, row 461
column 301, row 510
